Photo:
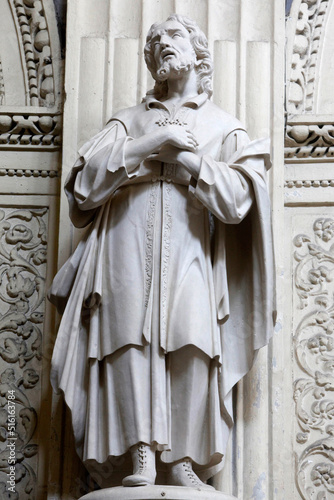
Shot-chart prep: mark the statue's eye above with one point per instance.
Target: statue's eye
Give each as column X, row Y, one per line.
column 176, row 35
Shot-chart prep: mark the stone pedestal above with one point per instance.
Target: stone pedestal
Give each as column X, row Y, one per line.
column 156, row 493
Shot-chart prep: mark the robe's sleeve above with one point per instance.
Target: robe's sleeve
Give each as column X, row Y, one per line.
column 98, row 172
column 224, row 190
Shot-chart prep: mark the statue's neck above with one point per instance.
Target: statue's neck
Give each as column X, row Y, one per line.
column 183, row 87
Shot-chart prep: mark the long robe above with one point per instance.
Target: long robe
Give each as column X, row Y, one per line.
column 150, row 286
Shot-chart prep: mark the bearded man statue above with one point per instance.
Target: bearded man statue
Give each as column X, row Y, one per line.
column 171, row 293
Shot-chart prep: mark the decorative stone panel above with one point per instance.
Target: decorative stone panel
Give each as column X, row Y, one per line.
column 309, row 182
column 23, row 246
column 313, row 345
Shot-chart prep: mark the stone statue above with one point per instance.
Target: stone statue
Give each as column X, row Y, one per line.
column 171, row 293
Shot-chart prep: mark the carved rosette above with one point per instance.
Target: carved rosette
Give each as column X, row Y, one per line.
column 23, row 245
column 32, row 26
column 314, row 353
column 311, row 20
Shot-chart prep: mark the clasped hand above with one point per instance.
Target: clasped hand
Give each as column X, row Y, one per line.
column 178, row 145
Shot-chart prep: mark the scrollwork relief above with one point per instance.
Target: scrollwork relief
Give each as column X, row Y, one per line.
column 23, row 246
column 32, row 25
column 311, row 19
column 315, row 476
column 30, row 131
column 314, row 353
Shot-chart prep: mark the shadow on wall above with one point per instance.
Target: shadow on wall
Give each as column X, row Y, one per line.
column 60, row 8
column 288, row 4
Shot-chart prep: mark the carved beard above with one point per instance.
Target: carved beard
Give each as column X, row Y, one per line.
column 174, row 66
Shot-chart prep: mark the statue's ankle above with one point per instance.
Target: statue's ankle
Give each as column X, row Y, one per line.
column 143, row 462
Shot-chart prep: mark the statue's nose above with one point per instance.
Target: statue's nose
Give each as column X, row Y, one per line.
column 165, row 41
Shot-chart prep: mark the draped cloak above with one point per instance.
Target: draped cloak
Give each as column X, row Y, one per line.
column 216, row 257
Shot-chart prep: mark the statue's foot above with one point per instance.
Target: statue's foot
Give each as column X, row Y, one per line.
column 182, row 474
column 143, row 460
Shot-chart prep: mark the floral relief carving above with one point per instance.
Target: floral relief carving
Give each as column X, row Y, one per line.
column 23, row 246
column 32, row 25
column 315, row 474
column 314, row 353
column 311, row 19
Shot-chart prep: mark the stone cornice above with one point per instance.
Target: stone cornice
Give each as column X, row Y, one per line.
column 30, row 131
column 309, row 140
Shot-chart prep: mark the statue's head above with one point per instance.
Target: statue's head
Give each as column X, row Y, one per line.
column 175, row 46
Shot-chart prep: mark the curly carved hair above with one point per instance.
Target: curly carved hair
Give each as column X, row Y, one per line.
column 200, row 44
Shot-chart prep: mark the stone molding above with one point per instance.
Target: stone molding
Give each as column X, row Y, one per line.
column 30, row 131
column 313, row 345
column 309, row 141
column 323, row 183
column 156, row 493
column 311, row 19
column 19, row 172
column 32, row 27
